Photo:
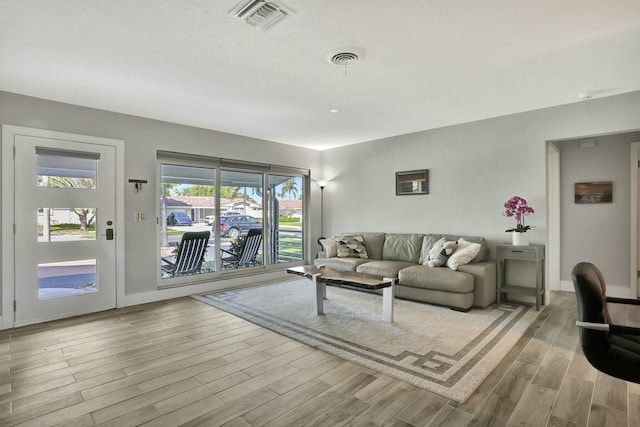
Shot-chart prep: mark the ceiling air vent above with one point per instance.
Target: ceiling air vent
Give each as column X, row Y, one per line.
column 260, row 13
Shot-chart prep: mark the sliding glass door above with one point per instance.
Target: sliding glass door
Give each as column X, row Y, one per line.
column 187, row 197
column 286, row 217
column 254, row 215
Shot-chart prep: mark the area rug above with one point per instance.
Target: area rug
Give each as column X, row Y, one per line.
column 435, row 348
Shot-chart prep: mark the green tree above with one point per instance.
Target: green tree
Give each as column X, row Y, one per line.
column 290, row 186
column 199, row 190
column 85, row 215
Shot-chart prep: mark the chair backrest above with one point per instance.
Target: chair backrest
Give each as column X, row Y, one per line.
column 191, row 251
column 615, row 354
column 591, row 293
column 251, row 247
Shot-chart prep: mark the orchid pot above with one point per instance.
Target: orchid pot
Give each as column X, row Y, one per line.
column 518, row 208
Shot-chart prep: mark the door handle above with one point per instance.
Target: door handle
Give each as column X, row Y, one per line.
column 109, row 233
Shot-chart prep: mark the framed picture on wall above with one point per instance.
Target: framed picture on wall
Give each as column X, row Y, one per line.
column 412, row 182
column 593, row 192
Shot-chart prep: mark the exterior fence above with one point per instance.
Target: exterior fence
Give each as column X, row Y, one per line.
column 289, row 246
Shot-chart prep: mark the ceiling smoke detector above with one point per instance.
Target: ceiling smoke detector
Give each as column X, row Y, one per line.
column 261, row 14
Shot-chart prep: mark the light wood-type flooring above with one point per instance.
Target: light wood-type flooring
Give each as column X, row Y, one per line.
column 182, row 362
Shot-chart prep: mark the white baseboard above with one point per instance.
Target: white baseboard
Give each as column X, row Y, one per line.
column 566, row 286
column 201, row 288
column 612, row 291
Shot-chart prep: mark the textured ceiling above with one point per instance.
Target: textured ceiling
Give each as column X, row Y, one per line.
column 426, row 63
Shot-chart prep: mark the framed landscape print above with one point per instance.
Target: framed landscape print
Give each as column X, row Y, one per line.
column 593, row 192
column 412, row 182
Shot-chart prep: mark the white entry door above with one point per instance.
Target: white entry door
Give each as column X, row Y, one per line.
column 65, row 248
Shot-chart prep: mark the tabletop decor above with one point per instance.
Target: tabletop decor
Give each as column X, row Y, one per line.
column 517, row 208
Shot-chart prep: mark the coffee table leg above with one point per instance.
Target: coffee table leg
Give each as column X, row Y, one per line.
column 321, row 290
column 387, row 300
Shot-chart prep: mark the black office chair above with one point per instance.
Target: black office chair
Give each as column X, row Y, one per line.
column 612, row 349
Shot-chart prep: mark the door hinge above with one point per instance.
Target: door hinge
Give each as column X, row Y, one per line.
column 14, row 153
column 14, row 306
column 14, row 228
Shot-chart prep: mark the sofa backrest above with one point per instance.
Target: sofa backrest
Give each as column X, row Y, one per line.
column 402, row 247
column 430, row 239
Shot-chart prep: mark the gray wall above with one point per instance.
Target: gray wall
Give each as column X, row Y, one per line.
column 142, row 138
column 597, row 233
column 473, row 169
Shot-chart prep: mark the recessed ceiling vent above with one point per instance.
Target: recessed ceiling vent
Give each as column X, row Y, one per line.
column 261, row 14
column 345, row 58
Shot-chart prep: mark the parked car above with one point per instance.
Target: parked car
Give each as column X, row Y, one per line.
column 211, row 219
column 238, row 225
column 178, row 218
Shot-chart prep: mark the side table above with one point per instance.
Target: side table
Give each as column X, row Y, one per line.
column 532, row 253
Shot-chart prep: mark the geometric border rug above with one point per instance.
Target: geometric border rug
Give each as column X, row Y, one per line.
column 435, row 348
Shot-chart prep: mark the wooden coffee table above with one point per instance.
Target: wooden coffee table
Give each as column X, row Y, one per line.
column 321, row 276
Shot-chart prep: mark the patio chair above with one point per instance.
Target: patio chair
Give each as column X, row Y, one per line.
column 610, row 348
column 248, row 254
column 190, row 256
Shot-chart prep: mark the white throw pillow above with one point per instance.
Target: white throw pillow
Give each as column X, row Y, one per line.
column 463, row 254
column 330, row 247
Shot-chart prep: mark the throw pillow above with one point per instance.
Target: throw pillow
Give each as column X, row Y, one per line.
column 464, row 253
column 440, row 252
column 329, row 247
column 351, row 247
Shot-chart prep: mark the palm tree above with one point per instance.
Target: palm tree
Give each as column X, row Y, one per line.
column 288, row 187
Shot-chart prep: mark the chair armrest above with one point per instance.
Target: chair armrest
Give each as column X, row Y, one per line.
column 230, row 253
column 623, row 301
column 167, row 261
column 605, row 327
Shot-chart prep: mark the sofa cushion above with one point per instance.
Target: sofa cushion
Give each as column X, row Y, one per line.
column 341, row 264
column 329, row 247
column 464, row 253
column 440, row 252
column 351, row 247
column 383, row 268
column 484, row 249
column 373, row 242
column 428, row 241
column 402, row 247
column 442, row 279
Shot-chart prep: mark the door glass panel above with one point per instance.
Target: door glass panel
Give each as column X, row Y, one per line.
column 187, row 205
column 285, row 218
column 60, row 279
column 241, row 219
column 66, row 169
column 66, row 224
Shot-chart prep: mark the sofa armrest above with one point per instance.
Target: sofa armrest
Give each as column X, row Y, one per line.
column 321, row 255
column 484, row 281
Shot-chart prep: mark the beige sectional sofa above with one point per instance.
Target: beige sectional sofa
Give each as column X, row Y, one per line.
column 404, row 256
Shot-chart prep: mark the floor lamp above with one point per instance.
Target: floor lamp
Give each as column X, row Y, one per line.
column 321, row 184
